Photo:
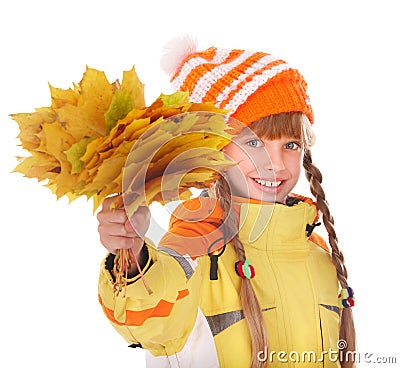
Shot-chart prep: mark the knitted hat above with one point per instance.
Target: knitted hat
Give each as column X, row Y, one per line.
column 249, row 84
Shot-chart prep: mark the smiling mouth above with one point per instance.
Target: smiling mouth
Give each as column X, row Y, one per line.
column 268, row 184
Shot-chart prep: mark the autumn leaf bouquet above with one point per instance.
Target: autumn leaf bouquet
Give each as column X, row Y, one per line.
column 99, row 139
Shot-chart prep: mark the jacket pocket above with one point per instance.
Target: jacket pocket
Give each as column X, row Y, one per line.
column 330, row 319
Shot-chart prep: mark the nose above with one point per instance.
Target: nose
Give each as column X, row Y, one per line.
column 275, row 160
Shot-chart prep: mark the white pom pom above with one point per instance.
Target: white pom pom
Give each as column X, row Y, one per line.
column 175, row 52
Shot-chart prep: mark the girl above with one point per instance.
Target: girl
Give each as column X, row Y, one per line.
column 265, row 292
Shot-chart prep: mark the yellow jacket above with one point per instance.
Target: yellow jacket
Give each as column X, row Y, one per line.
column 191, row 320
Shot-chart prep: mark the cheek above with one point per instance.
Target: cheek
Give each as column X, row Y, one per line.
column 237, row 177
column 294, row 165
column 233, row 152
column 237, row 154
column 236, row 174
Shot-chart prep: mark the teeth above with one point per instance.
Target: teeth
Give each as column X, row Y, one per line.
column 266, row 183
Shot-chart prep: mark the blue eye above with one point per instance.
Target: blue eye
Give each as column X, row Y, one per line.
column 292, row 145
column 254, row 143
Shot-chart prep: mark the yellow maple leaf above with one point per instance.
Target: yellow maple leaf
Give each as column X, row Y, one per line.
column 80, row 144
column 165, row 152
column 132, row 84
column 30, row 126
column 40, row 165
column 61, row 97
column 86, row 118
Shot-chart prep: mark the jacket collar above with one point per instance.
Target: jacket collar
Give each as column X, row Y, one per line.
column 274, row 226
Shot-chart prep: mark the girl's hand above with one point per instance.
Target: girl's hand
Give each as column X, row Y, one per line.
column 117, row 232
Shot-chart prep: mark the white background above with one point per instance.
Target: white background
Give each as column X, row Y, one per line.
column 50, row 251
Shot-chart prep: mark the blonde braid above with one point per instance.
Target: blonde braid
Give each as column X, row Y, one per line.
column 347, row 331
column 251, row 307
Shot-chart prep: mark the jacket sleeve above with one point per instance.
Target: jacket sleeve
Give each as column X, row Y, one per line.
column 162, row 321
column 155, row 321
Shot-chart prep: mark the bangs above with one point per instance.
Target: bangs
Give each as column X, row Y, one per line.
column 289, row 124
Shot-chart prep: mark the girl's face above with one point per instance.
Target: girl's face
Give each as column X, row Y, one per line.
column 266, row 170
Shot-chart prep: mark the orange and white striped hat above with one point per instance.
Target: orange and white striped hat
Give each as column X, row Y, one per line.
column 249, row 84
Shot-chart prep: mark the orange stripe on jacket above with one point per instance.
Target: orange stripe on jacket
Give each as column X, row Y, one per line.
column 196, row 224
column 316, row 239
column 137, row 318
